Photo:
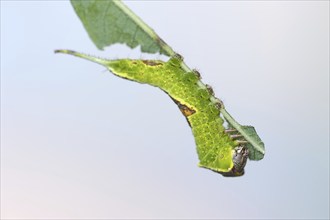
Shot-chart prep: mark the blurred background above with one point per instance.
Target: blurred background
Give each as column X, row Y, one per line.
column 80, row 143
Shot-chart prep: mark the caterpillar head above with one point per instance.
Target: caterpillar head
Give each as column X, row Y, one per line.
column 240, row 155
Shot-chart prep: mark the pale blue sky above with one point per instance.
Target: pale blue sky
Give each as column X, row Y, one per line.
column 77, row 142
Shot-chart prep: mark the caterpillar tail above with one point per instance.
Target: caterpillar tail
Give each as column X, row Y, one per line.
column 94, row 59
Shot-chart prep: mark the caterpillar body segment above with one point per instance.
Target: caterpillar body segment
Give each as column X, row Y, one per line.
column 216, row 149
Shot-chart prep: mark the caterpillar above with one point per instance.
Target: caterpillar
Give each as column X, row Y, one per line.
column 219, row 149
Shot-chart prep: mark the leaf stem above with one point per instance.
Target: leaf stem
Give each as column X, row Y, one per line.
column 230, row 119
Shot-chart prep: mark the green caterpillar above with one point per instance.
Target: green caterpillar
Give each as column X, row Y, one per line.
column 222, row 150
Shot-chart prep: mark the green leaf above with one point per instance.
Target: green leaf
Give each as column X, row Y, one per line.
column 254, row 144
column 111, row 22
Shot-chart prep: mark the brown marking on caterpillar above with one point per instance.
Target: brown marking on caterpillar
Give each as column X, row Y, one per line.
column 151, row 63
column 186, row 111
